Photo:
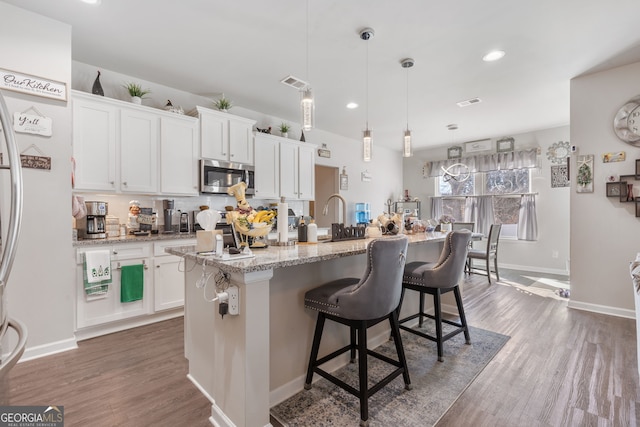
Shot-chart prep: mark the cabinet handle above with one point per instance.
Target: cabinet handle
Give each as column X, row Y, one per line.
column 157, row 266
column 112, row 182
column 232, row 155
column 124, row 183
column 115, row 252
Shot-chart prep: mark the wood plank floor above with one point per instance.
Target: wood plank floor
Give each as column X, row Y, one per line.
column 561, row 367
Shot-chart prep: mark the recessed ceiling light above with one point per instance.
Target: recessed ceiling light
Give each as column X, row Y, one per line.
column 92, row 2
column 352, row 105
column 493, row 55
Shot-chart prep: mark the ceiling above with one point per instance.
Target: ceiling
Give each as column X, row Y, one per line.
column 244, row 48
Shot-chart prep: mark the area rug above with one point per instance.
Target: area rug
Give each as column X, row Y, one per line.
column 436, row 385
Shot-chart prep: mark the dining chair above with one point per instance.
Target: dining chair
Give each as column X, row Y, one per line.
column 462, row 226
column 486, row 254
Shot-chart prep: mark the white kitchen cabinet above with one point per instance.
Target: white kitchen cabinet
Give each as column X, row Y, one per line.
column 267, row 169
column 297, row 171
column 306, row 172
column 226, row 137
column 138, row 151
column 101, row 309
column 179, row 155
column 168, row 276
column 95, row 127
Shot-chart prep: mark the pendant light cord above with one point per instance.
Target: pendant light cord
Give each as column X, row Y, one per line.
column 366, row 92
column 407, row 98
column 307, row 38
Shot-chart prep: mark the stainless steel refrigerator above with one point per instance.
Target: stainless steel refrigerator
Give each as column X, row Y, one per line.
column 11, row 194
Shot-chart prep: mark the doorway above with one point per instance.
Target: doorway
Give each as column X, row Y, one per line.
column 327, row 183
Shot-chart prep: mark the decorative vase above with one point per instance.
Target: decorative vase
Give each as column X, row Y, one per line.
column 445, row 228
column 224, row 110
column 97, row 87
column 285, row 134
column 629, row 192
column 302, row 138
column 136, row 100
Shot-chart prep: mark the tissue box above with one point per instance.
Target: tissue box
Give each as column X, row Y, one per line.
column 206, row 240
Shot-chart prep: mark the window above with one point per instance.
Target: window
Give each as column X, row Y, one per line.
column 506, row 185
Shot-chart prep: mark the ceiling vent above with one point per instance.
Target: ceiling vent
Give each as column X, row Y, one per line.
column 469, row 102
column 294, row 82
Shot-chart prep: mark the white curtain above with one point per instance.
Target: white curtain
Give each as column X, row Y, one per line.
column 528, row 221
column 470, row 209
column 436, row 207
column 485, row 214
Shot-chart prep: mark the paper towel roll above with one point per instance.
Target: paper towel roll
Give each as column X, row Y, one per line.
column 283, row 222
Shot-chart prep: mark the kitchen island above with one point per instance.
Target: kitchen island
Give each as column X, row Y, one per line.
column 251, row 361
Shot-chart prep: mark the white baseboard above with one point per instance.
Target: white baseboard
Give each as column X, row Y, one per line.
column 533, row 269
column 48, row 349
column 109, row 328
column 602, row 309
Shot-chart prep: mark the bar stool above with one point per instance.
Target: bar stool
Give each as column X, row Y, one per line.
column 360, row 304
column 437, row 279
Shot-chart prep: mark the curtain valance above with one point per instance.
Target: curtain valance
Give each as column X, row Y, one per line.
column 486, row 162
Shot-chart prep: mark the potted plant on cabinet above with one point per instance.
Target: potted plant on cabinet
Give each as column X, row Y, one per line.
column 223, row 104
column 136, row 92
column 284, row 129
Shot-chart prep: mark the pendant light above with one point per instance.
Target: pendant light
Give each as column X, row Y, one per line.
column 406, row 141
column 307, row 105
column 365, row 35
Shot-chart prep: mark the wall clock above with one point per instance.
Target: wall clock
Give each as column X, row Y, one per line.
column 626, row 123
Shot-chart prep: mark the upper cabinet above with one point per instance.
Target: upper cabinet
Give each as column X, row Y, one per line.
column 95, row 132
column 121, row 147
column 226, row 137
column 179, row 144
column 284, row 168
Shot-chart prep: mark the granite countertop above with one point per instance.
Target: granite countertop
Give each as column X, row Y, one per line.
column 131, row 239
column 286, row 256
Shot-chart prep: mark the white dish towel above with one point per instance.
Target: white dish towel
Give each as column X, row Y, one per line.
column 98, row 265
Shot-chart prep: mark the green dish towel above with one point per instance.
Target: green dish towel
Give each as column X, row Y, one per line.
column 131, row 282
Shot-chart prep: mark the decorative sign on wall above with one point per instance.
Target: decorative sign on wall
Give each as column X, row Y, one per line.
column 475, row 146
column 559, row 176
column 344, row 179
column 366, row 176
column 35, row 162
column 32, row 85
column 584, row 174
column 324, row 152
column 36, row 123
column 619, row 156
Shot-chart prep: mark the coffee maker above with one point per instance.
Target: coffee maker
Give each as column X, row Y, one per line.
column 168, row 215
column 93, row 225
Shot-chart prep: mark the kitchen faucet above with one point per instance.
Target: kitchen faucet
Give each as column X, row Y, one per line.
column 325, row 210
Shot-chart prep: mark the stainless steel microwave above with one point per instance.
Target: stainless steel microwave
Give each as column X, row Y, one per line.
column 217, row 176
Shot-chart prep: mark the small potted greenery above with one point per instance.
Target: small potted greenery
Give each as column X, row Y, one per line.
column 136, row 92
column 223, row 104
column 284, row 129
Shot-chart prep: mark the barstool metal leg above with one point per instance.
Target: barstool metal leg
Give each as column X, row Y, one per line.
column 362, row 370
column 314, row 350
column 463, row 318
column 352, row 337
column 438, row 318
column 421, row 318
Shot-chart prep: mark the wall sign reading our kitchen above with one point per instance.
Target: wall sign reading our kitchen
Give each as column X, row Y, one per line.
column 32, row 85
column 32, row 123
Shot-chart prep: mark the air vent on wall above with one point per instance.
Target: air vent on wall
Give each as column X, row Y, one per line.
column 294, row 82
column 469, row 102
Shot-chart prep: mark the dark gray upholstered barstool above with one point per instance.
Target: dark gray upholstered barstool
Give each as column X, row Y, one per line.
column 437, row 279
column 360, row 304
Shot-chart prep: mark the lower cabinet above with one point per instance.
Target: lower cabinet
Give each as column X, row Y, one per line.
column 163, row 287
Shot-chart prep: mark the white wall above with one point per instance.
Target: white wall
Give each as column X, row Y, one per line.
column 40, row 291
column 552, row 205
column 604, row 232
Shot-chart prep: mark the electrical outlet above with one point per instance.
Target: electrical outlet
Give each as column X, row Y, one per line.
column 234, row 300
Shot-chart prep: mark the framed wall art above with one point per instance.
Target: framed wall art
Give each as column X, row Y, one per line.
column 454, row 152
column 559, row 176
column 584, row 174
column 505, row 145
column 613, row 189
